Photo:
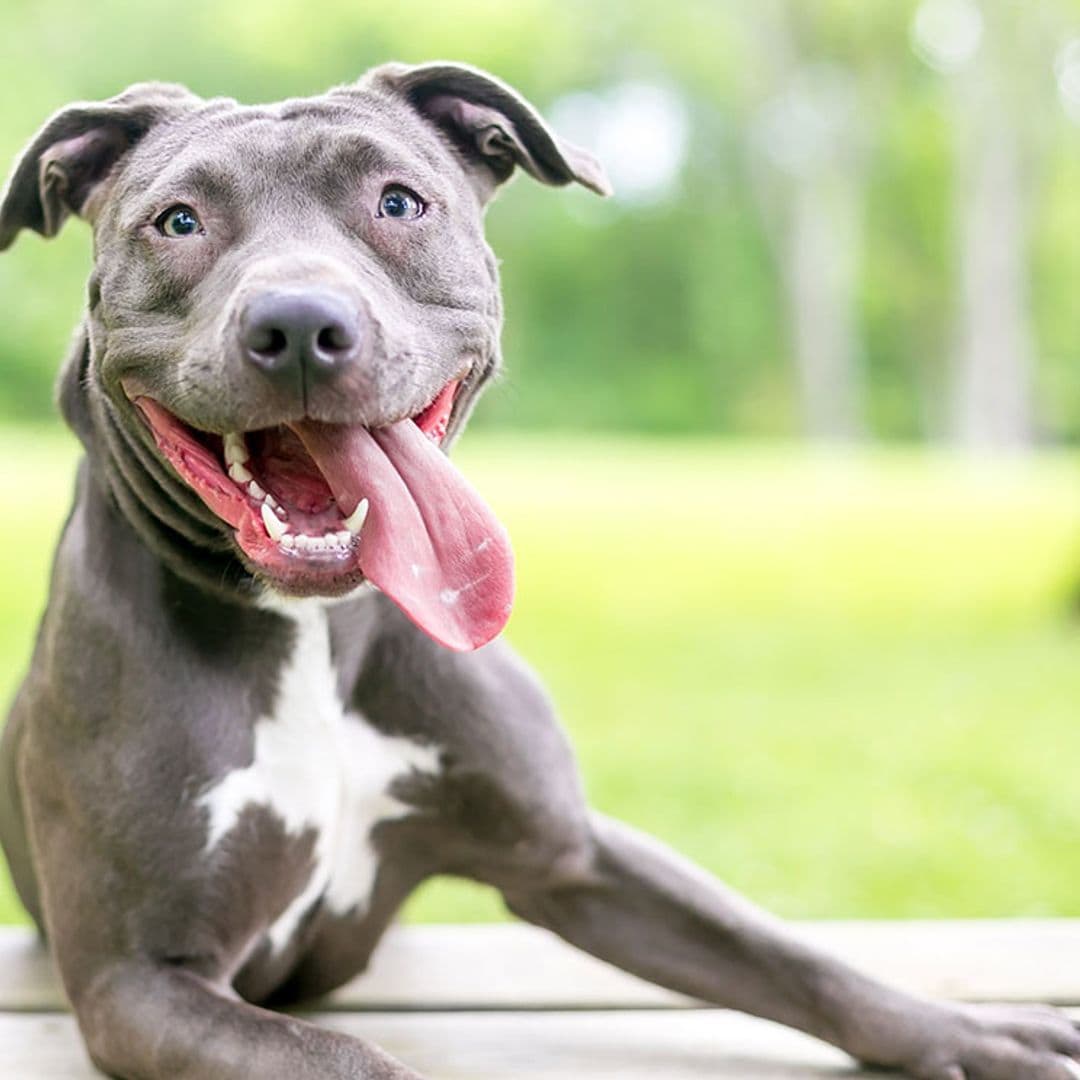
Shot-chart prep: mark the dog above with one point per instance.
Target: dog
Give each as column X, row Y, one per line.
column 268, row 697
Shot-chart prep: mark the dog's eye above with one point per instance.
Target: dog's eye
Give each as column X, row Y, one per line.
column 179, row 221
column 399, row 202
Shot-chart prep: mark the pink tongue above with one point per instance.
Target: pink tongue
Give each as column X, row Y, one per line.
column 430, row 542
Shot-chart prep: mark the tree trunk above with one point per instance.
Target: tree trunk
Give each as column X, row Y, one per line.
column 820, row 273
column 995, row 356
column 997, row 150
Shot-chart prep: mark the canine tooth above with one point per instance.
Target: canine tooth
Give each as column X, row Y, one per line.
column 255, row 491
column 275, row 529
column 235, row 450
column 355, row 521
column 238, row 473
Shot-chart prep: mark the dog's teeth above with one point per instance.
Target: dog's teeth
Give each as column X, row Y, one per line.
column 274, row 528
column 238, row 473
column 271, row 501
column 355, row 521
column 255, row 491
column 330, row 543
column 235, row 450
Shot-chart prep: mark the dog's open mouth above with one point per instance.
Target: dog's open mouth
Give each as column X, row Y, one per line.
column 317, row 507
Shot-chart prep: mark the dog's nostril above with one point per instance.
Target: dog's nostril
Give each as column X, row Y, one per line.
column 285, row 330
column 268, row 341
column 333, row 339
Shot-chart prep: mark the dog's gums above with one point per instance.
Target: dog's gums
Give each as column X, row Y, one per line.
column 318, row 508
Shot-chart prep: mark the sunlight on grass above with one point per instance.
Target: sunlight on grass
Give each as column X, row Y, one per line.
column 845, row 683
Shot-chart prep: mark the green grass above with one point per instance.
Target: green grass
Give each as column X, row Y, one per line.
column 848, row 685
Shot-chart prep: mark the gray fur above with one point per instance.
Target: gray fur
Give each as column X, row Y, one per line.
column 155, row 659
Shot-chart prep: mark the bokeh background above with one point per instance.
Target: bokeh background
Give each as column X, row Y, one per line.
column 787, row 439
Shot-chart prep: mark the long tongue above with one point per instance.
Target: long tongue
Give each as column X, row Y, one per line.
column 430, row 542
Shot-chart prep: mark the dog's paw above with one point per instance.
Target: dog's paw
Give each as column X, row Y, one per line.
column 999, row 1042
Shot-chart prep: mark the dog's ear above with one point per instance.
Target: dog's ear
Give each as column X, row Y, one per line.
column 66, row 167
column 490, row 124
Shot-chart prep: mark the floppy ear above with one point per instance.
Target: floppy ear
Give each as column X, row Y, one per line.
column 66, row 167
column 491, row 125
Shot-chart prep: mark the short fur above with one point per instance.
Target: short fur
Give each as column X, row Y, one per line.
column 155, row 829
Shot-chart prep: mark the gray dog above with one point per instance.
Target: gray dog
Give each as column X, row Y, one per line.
column 255, row 719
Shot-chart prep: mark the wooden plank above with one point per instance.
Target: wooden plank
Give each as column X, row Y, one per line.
column 675, row 1045
column 512, row 966
column 518, row 966
column 974, row 960
column 27, row 978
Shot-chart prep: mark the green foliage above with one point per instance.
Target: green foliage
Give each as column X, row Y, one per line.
column 667, row 317
column 845, row 684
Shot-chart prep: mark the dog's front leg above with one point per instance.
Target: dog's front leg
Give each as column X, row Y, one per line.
column 147, row 966
column 646, row 910
column 150, row 1021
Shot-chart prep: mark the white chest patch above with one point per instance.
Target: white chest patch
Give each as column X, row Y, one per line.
column 318, row 766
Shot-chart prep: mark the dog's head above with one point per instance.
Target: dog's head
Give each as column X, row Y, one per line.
column 291, row 311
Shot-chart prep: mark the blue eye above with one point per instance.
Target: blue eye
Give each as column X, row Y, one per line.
column 179, row 221
column 399, row 202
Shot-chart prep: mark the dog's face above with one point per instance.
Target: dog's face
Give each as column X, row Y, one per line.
column 294, row 306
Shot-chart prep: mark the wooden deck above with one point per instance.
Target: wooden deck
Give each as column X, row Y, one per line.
column 513, row 1003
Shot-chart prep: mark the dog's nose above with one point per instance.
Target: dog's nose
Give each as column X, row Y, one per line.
column 313, row 329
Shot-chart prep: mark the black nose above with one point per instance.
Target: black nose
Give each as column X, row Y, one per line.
column 313, row 329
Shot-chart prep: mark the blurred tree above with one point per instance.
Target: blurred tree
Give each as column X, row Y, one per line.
column 814, row 290
column 807, row 162
column 997, row 59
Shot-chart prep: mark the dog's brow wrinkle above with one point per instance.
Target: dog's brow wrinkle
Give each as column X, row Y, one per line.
column 211, row 181
column 360, row 152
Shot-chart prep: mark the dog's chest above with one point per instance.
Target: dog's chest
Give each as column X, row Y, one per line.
column 317, row 766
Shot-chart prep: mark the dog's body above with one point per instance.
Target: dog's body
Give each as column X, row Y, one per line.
column 217, row 784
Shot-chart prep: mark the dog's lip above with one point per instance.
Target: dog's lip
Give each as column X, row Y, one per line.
column 297, row 497
column 198, row 455
column 426, row 418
